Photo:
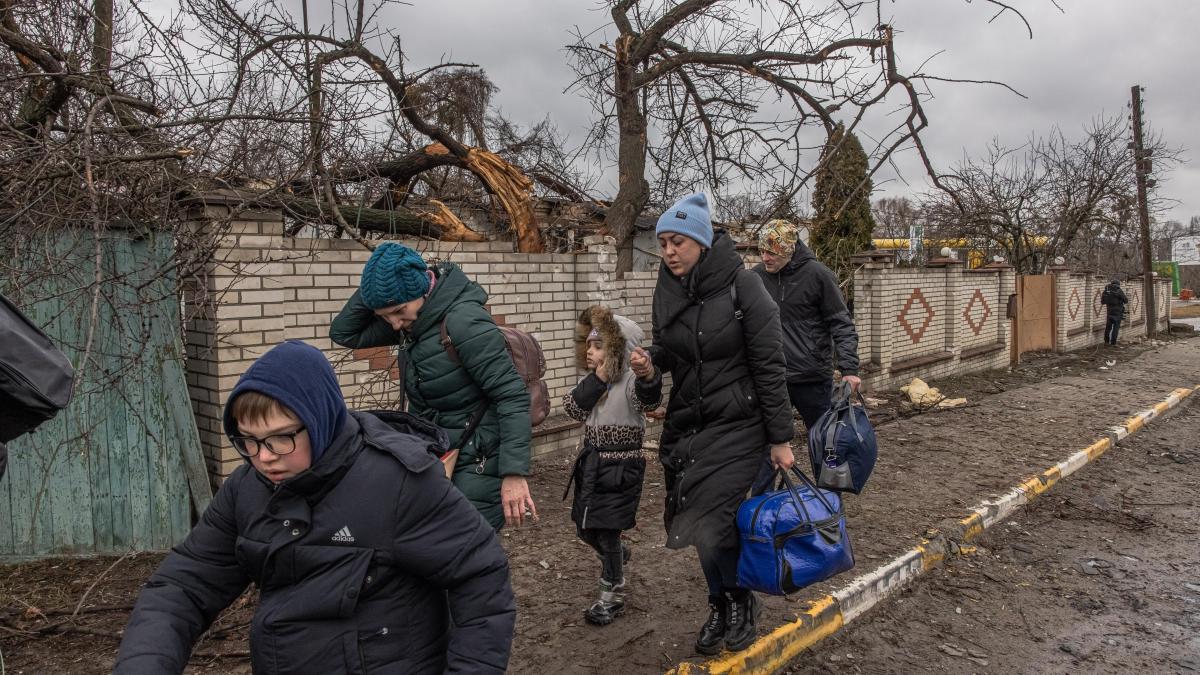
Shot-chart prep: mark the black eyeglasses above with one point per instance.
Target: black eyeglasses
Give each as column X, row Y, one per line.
column 278, row 444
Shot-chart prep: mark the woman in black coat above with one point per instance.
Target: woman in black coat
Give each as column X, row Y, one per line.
column 717, row 332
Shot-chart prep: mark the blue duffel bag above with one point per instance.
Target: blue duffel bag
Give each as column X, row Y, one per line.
column 792, row 538
column 842, row 445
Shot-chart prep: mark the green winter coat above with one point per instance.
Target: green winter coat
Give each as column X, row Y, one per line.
column 447, row 393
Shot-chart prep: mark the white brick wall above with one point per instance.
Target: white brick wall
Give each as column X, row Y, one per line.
column 264, row 288
column 942, row 306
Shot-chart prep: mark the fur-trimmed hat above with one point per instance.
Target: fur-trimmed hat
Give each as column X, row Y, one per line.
column 619, row 335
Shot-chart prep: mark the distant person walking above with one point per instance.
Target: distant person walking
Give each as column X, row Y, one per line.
column 1115, row 300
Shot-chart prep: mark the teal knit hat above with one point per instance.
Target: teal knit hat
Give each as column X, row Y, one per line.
column 394, row 275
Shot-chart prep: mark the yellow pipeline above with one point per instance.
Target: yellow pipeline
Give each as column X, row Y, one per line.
column 904, row 243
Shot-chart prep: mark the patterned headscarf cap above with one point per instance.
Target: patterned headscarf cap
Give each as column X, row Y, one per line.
column 779, row 237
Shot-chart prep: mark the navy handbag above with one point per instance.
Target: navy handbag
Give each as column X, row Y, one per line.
column 792, row 538
column 842, row 445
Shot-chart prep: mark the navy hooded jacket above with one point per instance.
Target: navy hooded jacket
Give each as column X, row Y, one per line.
column 369, row 561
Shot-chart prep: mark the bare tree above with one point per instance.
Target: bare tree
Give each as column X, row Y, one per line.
column 1052, row 197
column 714, row 91
column 895, row 217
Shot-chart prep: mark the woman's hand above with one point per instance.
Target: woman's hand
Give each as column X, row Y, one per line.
column 640, row 364
column 514, row 494
column 782, row 457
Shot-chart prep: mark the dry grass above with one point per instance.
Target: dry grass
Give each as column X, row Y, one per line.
column 1185, row 312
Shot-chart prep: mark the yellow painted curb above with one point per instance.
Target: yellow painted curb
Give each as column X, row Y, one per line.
column 827, row 615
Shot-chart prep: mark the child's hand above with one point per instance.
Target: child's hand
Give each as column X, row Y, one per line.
column 639, row 363
column 602, row 373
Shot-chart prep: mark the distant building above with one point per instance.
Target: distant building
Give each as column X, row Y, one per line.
column 1186, row 250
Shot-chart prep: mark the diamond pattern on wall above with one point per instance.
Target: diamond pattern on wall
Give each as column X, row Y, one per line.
column 915, row 334
column 1135, row 303
column 1097, row 306
column 977, row 297
column 1074, row 303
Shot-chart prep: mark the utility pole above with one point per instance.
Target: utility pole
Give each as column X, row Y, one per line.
column 1142, row 166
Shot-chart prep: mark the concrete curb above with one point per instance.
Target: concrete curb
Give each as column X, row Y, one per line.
column 827, row 615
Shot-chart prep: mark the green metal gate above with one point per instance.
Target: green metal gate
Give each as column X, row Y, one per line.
column 121, row 468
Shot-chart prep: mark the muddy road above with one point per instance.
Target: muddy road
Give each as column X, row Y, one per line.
column 932, row 466
column 1101, row 575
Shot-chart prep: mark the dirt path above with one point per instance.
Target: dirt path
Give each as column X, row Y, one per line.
column 1100, row 576
column 1024, row 421
column 975, row 452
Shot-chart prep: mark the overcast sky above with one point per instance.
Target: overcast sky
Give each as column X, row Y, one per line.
column 1080, row 63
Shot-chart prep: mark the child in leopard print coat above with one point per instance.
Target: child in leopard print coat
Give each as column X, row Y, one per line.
column 608, row 472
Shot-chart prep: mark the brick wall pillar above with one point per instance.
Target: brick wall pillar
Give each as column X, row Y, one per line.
column 1008, row 289
column 872, row 307
column 595, row 275
column 1099, row 315
column 1089, row 315
column 952, row 316
column 1062, row 291
column 1162, row 295
column 234, row 312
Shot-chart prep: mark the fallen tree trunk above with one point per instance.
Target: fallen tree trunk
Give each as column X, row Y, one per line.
column 502, row 179
column 441, row 224
column 402, row 170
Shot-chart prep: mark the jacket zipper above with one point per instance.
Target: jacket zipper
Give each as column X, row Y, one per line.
column 362, row 657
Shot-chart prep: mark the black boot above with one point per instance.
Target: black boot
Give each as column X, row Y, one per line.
column 712, row 635
column 743, row 609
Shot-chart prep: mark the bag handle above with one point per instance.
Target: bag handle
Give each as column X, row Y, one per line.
column 811, row 485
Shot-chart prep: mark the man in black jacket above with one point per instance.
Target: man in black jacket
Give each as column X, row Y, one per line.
column 366, row 558
column 1114, row 299
column 814, row 317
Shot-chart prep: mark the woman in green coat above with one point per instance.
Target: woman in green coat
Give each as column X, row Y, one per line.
column 402, row 301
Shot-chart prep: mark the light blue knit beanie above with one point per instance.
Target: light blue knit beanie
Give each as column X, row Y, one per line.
column 394, row 275
column 689, row 217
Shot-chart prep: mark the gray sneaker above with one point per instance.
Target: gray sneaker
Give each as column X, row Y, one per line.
column 609, row 606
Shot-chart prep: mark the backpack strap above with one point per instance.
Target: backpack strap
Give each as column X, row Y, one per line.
column 477, row 416
column 402, row 370
column 447, row 344
column 472, row 424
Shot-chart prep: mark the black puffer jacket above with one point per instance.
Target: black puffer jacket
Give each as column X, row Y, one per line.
column 814, row 318
column 1115, row 300
column 361, row 563
column 728, row 398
